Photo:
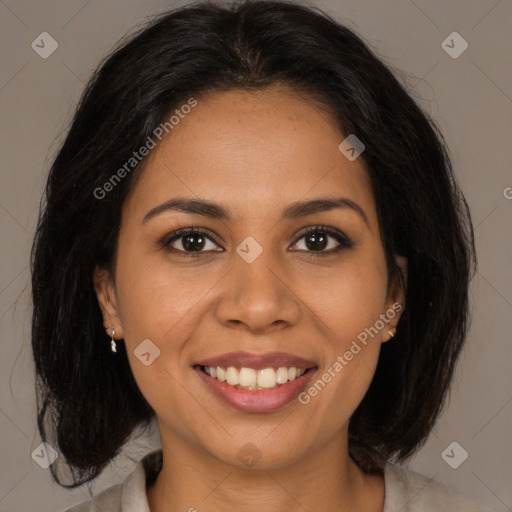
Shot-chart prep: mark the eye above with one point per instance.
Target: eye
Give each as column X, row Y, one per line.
column 194, row 241
column 190, row 242
column 323, row 240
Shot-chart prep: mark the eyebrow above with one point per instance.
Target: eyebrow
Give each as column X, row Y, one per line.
column 216, row 211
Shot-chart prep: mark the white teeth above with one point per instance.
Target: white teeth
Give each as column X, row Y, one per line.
column 282, row 375
column 232, row 376
column 248, row 378
column 267, row 378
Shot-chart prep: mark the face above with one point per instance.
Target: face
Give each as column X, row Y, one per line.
column 282, row 272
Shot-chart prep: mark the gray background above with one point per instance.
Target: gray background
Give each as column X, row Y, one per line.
column 470, row 97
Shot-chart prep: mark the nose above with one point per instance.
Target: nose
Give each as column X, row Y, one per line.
column 258, row 297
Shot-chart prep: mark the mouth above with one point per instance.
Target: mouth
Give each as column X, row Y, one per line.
column 254, row 382
column 251, row 379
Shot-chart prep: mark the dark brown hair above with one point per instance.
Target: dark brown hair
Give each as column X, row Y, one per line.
column 89, row 402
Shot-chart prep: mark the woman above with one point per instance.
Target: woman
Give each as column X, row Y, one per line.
column 252, row 234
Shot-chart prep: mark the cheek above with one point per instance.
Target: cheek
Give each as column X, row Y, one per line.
column 157, row 299
column 349, row 302
column 158, row 309
column 165, row 304
column 349, row 366
column 350, row 298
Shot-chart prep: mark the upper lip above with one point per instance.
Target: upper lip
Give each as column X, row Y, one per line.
column 257, row 361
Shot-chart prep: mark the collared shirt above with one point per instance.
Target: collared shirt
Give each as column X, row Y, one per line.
column 405, row 491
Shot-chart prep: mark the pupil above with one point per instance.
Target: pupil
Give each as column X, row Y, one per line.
column 319, row 241
column 188, row 242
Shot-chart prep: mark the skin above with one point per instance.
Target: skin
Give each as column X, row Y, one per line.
column 254, row 153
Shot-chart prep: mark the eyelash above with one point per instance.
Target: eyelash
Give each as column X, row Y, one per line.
column 341, row 238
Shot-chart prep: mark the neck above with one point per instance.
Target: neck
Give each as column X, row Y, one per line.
column 327, row 479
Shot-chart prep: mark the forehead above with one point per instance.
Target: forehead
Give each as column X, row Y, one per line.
column 261, row 149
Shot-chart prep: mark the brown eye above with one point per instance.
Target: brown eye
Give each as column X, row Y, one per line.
column 193, row 242
column 316, row 241
column 323, row 240
column 190, row 240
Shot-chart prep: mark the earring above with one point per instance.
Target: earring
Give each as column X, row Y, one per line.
column 391, row 332
column 112, row 341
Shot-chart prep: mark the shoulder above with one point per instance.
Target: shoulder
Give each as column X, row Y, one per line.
column 408, row 491
column 109, row 500
column 128, row 496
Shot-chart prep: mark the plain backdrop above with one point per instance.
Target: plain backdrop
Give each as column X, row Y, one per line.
column 470, row 97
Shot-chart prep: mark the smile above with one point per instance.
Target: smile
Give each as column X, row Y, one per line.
column 251, row 379
column 252, row 382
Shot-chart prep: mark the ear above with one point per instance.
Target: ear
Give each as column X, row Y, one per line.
column 395, row 304
column 107, row 300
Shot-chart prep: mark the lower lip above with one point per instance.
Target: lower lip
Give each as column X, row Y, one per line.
column 259, row 400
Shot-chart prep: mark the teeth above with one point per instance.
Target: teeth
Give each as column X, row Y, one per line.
column 232, row 376
column 248, row 378
column 267, row 378
column 282, row 375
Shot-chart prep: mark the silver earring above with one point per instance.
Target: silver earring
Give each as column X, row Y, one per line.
column 112, row 341
column 391, row 333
